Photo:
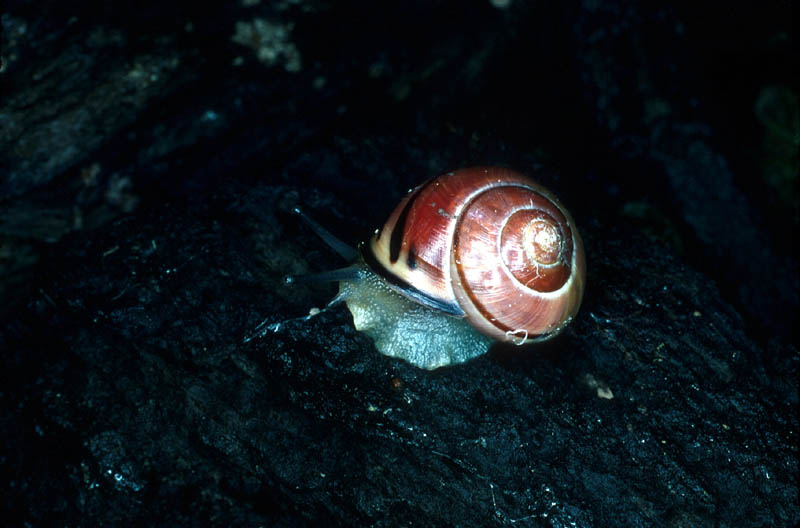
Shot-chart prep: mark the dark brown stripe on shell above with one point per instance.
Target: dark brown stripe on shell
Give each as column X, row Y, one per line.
column 450, row 308
column 398, row 231
column 412, row 258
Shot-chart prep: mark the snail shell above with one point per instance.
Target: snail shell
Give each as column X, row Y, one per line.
column 471, row 256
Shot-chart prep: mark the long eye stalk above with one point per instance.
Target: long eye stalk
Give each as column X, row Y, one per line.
column 350, row 273
column 347, row 252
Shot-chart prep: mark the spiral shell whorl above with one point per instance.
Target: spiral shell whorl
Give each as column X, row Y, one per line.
column 513, row 262
column 492, row 245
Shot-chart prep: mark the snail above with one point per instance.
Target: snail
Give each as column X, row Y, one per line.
column 467, row 258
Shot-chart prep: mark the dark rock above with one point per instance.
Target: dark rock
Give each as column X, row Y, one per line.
column 151, row 158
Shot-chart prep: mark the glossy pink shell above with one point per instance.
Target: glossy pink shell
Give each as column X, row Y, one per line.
column 489, row 244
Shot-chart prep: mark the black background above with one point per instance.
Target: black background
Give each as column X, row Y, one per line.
column 149, row 160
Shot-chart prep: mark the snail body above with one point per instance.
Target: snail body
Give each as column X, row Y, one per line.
column 470, row 257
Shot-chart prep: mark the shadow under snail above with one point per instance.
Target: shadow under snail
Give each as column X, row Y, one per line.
column 467, row 258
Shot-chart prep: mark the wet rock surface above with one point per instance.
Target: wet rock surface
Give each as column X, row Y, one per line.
column 151, row 156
